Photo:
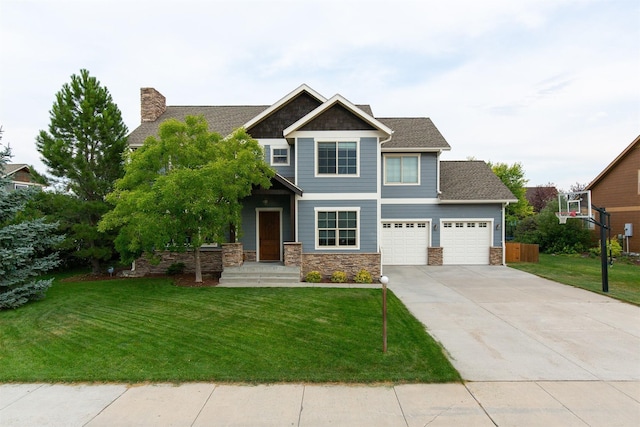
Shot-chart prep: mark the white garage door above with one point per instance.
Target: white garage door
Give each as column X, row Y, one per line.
column 405, row 243
column 465, row 242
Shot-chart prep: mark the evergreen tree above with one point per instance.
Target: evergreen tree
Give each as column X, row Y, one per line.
column 85, row 147
column 25, row 246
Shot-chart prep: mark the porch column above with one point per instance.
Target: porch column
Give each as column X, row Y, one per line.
column 232, row 254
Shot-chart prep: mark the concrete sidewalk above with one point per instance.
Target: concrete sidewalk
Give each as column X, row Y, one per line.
column 557, row 403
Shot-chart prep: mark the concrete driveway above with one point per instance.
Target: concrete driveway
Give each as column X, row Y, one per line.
column 501, row 324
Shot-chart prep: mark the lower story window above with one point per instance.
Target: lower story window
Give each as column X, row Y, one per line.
column 337, row 229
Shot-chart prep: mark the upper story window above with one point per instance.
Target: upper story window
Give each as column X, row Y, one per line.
column 20, row 186
column 402, row 169
column 337, row 158
column 280, row 156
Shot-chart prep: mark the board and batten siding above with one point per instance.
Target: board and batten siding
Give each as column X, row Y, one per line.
column 368, row 224
column 365, row 182
column 436, row 212
column 428, row 180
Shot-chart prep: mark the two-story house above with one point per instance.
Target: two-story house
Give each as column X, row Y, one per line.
column 353, row 190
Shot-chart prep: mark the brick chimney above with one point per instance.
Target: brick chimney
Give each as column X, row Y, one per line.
column 152, row 104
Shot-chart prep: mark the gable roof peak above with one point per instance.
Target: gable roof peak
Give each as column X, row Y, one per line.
column 338, row 99
column 303, row 88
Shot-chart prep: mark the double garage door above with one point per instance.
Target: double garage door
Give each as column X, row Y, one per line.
column 463, row 242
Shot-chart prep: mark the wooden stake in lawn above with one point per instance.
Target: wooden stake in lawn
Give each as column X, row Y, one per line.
column 384, row 280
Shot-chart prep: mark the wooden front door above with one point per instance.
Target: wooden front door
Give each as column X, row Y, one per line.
column 269, row 235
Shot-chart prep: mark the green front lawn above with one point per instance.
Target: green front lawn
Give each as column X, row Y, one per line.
column 137, row 330
column 584, row 272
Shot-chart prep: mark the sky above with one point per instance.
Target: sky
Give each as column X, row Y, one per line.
column 551, row 84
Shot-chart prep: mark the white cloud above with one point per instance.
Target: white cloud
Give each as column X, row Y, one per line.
column 552, row 84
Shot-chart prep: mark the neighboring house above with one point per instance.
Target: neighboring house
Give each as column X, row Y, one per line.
column 617, row 189
column 353, row 190
column 19, row 176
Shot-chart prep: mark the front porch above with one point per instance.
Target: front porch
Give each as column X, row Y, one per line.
column 232, row 260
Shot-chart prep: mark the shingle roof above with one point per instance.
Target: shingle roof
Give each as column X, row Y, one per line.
column 10, row 168
column 471, row 180
column 221, row 119
column 416, row 132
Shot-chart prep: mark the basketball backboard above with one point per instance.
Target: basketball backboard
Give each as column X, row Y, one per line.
column 576, row 204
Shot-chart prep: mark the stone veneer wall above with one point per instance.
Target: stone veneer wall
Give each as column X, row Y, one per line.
column 434, row 256
column 495, row 255
column 293, row 254
column 250, row 256
column 210, row 262
column 350, row 263
column 232, row 255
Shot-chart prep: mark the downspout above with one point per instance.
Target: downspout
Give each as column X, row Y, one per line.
column 379, row 179
column 438, row 192
column 504, row 233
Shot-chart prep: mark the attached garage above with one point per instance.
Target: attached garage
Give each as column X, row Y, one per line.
column 465, row 242
column 405, row 242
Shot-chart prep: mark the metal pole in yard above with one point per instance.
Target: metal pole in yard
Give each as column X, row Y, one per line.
column 384, row 280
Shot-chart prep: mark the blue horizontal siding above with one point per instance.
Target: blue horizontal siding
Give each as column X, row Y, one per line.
column 286, row 171
column 368, row 224
column 365, row 183
column 428, row 181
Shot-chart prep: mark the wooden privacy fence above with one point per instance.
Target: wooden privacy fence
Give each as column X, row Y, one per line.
column 522, row 252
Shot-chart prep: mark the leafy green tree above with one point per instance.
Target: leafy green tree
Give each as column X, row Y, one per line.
column 513, row 177
column 183, row 189
column 545, row 230
column 25, row 246
column 85, row 147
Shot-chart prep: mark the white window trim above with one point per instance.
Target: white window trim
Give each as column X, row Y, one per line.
column 336, row 209
column 336, row 175
column 288, row 163
column 400, row 155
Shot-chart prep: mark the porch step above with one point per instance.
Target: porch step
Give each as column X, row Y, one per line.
column 253, row 273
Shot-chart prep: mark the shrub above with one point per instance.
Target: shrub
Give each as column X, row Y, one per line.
column 613, row 248
column 339, row 277
column 363, row 276
column 545, row 230
column 313, row 277
column 176, row 268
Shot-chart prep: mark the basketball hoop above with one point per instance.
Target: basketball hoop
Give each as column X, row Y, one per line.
column 561, row 218
column 575, row 204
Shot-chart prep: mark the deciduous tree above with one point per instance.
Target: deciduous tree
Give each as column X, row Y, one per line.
column 183, row 189
column 513, row 177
